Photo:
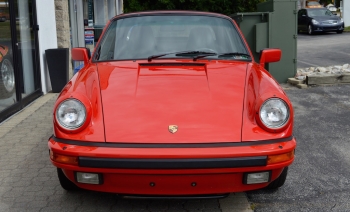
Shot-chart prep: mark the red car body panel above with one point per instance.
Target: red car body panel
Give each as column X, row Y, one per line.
column 131, row 104
column 86, row 87
column 259, row 86
column 204, row 101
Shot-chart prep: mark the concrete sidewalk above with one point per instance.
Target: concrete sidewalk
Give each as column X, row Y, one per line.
column 28, row 180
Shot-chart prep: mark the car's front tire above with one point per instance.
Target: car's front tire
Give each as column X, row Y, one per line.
column 310, row 31
column 7, row 78
column 279, row 181
column 65, row 182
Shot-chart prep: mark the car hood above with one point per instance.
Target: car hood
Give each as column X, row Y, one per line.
column 326, row 18
column 182, row 102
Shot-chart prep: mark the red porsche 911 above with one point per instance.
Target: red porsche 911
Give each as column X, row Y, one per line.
column 172, row 103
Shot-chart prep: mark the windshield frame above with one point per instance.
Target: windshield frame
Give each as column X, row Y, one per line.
column 171, row 13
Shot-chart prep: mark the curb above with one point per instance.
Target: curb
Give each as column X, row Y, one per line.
column 321, row 76
column 337, row 79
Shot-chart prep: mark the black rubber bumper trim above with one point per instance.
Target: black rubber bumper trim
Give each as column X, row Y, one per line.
column 169, row 145
column 190, row 163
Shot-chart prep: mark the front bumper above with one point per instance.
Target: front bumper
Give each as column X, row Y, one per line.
column 171, row 169
column 328, row 27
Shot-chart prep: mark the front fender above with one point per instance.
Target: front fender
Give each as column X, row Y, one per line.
column 85, row 87
column 260, row 86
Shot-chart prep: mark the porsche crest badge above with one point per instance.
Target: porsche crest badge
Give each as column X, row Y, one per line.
column 173, row 128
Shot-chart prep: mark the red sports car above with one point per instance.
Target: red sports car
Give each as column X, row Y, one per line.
column 172, row 104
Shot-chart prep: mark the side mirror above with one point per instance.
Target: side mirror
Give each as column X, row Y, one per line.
column 81, row 54
column 270, row 56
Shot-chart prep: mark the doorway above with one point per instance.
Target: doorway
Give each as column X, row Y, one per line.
column 20, row 74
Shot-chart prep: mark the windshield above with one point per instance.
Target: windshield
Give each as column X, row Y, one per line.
column 143, row 36
column 320, row 12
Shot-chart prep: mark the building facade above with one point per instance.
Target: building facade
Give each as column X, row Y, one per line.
column 28, row 28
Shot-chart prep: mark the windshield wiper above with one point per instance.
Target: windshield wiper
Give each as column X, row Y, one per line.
column 204, row 54
column 158, row 55
column 231, row 54
column 197, row 54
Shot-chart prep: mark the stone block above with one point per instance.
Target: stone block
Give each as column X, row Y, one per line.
column 328, row 79
column 294, row 81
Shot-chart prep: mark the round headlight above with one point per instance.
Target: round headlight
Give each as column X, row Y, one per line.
column 274, row 113
column 71, row 114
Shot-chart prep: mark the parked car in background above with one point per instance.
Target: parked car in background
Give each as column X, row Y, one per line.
column 313, row 4
column 172, row 103
column 319, row 20
column 7, row 74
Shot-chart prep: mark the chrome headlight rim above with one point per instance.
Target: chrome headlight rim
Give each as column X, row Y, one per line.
column 66, row 126
column 283, row 123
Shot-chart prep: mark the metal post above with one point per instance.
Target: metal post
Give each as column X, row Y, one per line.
column 119, row 7
column 346, row 13
column 77, row 23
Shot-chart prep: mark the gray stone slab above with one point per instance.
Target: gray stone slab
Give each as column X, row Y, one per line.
column 328, row 79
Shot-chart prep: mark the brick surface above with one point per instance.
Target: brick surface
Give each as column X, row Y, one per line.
column 28, row 181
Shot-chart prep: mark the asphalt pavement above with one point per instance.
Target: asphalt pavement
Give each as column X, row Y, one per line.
column 323, row 49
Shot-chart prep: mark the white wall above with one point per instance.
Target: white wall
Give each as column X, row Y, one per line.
column 47, row 36
column 346, row 12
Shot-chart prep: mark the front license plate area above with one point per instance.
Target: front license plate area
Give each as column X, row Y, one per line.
column 173, row 184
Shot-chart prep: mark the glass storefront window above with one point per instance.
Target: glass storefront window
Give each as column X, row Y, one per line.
column 19, row 62
column 26, row 45
column 7, row 74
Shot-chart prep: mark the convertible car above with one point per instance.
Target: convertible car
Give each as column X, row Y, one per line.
column 172, row 104
column 7, row 74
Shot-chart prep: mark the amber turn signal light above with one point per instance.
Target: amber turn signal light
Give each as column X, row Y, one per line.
column 271, row 159
column 63, row 158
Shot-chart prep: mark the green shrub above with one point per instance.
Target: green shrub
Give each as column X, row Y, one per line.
column 219, row 6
